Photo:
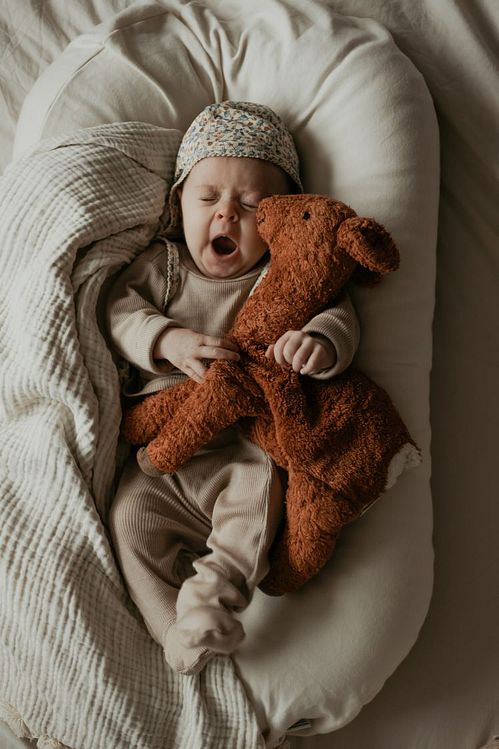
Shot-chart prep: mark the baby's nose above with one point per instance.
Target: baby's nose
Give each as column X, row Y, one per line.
column 227, row 210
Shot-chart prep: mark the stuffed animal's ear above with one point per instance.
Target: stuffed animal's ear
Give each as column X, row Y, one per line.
column 371, row 246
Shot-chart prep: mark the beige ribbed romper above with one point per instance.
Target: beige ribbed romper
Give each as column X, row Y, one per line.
column 193, row 545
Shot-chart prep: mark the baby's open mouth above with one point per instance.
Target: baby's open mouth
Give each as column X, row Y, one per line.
column 224, row 245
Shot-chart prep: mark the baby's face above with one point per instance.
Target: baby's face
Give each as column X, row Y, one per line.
column 219, row 199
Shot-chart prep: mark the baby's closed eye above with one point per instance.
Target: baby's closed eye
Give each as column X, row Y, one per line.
column 250, row 198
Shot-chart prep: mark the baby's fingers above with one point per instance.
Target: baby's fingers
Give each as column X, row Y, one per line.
column 195, row 370
column 218, row 352
column 299, row 358
column 277, row 349
column 323, row 356
column 212, row 347
column 312, row 364
column 218, row 343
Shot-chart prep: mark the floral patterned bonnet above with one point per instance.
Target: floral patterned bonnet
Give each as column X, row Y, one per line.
column 234, row 128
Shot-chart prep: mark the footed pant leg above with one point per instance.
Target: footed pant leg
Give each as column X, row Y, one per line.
column 243, row 495
column 156, row 535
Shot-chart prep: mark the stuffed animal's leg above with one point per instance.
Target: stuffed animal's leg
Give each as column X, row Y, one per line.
column 143, row 421
column 225, row 395
column 312, row 524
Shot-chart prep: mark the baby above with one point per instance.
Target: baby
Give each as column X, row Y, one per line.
column 194, row 545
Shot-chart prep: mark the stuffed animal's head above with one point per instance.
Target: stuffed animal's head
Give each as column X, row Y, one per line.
column 316, row 245
column 316, row 226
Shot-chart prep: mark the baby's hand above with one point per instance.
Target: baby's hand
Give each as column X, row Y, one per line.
column 307, row 354
column 186, row 349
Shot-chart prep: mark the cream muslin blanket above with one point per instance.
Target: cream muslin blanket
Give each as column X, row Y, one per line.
column 77, row 667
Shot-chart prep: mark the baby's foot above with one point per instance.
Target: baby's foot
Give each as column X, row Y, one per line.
column 184, row 660
column 210, row 627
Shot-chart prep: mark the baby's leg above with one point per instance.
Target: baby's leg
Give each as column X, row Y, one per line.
column 243, row 495
column 156, row 535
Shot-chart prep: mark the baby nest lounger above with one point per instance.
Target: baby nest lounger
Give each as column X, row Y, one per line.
column 366, row 133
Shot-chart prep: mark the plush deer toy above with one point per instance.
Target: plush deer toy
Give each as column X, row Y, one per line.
column 341, row 441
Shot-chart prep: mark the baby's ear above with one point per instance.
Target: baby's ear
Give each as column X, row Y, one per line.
column 371, row 246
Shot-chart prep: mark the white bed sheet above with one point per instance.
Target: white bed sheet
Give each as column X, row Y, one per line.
column 446, row 693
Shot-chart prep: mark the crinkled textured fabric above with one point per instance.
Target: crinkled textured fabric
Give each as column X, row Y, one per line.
column 78, row 668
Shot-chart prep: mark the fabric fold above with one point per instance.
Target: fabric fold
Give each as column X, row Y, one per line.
column 77, row 661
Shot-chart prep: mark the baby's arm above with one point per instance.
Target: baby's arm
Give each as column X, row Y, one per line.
column 146, row 337
column 325, row 346
column 134, row 309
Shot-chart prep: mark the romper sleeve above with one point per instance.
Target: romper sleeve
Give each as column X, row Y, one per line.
column 134, row 309
column 340, row 325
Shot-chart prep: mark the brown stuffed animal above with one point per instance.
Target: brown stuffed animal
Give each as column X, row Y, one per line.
column 339, row 440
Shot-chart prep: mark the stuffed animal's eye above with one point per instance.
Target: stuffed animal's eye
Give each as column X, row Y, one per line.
column 306, row 215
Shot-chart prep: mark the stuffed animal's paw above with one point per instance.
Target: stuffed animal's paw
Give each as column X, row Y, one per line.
column 146, row 464
column 313, row 520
